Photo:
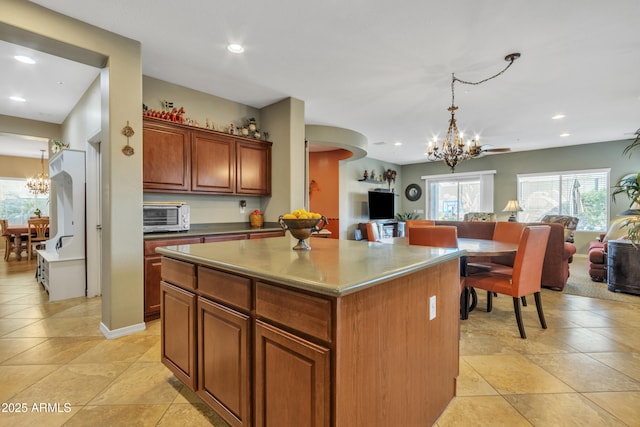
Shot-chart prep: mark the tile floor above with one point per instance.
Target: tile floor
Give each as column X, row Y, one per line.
column 584, row 370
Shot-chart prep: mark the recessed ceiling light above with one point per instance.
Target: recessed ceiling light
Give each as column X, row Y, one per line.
column 397, row 143
column 563, row 135
column 235, row 48
column 558, row 117
column 17, row 99
column 24, row 59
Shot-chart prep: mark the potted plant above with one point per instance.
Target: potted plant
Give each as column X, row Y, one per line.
column 630, row 186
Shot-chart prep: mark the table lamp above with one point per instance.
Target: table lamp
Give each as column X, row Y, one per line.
column 512, row 206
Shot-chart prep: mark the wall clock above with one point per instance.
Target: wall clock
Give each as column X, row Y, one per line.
column 413, row 192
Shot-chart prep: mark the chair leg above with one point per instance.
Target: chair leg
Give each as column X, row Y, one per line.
column 524, row 301
column 538, row 298
column 489, row 301
column 516, row 308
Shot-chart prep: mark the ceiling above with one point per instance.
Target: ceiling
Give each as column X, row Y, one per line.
column 384, row 68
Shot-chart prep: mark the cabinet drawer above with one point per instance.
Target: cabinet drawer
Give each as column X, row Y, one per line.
column 151, row 245
column 179, row 273
column 305, row 313
column 224, row 238
column 225, row 287
column 266, row 234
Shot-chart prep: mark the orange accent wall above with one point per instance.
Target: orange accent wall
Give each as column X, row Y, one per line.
column 324, row 186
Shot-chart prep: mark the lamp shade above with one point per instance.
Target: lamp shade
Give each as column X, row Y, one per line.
column 633, row 210
column 512, row 206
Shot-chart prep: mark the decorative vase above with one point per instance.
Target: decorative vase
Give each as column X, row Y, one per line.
column 256, row 220
column 301, row 229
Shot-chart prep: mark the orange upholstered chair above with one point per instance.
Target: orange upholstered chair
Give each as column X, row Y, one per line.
column 412, row 223
column 525, row 278
column 508, row 232
column 373, row 232
column 441, row 236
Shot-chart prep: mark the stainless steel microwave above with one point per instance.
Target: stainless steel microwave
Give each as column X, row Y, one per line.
column 165, row 216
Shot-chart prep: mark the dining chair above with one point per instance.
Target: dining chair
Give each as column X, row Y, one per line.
column 373, row 232
column 8, row 239
column 38, row 230
column 525, row 277
column 509, row 232
column 412, row 223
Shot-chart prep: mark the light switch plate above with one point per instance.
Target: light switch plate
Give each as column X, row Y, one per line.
column 432, row 307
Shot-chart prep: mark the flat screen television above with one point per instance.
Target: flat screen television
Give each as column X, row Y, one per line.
column 381, row 205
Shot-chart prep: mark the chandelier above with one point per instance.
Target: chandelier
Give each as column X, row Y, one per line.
column 40, row 183
column 453, row 149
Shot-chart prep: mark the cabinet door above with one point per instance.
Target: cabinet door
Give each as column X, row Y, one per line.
column 254, row 168
column 292, row 382
column 178, row 333
column 213, row 163
column 165, row 158
column 152, row 269
column 223, row 361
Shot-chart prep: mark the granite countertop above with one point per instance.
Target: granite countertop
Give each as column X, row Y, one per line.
column 332, row 267
column 215, row 228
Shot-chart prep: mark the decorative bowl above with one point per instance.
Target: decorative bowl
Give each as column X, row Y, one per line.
column 301, row 229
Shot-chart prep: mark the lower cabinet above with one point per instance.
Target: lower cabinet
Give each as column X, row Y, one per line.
column 222, row 345
column 152, row 263
column 178, row 338
column 223, row 361
column 293, row 379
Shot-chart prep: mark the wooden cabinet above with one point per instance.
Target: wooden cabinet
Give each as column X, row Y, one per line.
column 374, row 356
column 224, row 362
column 179, row 158
column 293, row 379
column 166, row 154
column 152, row 268
column 253, row 168
column 152, row 264
column 213, row 163
column 178, row 339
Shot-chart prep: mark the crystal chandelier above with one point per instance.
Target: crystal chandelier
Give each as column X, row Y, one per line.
column 40, row 183
column 453, row 149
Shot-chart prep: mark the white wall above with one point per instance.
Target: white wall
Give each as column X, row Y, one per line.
column 353, row 194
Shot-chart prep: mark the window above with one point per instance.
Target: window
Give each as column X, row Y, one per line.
column 583, row 194
column 449, row 197
column 17, row 203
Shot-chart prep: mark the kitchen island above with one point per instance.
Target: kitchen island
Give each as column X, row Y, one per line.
column 347, row 334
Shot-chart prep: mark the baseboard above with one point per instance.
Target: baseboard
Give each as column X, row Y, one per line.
column 121, row 332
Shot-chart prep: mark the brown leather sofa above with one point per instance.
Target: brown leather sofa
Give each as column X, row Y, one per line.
column 558, row 256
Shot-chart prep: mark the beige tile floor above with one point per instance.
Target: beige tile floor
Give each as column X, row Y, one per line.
column 582, row 371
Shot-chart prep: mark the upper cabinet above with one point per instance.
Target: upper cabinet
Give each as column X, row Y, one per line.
column 179, row 158
column 166, row 153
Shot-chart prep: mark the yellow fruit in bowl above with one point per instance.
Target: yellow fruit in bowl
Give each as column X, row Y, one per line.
column 289, row 216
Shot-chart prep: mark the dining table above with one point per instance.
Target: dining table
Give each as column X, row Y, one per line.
column 473, row 248
column 15, row 233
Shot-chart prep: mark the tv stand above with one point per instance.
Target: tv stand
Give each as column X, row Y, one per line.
column 388, row 228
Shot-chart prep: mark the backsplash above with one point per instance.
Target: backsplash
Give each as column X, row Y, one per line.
column 211, row 209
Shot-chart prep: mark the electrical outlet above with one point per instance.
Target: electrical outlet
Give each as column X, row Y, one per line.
column 432, row 307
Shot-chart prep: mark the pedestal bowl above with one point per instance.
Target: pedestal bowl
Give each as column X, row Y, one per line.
column 302, row 229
